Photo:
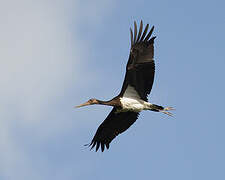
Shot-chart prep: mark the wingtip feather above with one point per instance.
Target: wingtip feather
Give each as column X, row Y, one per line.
column 102, row 147
column 107, row 145
column 140, row 31
column 97, row 146
column 131, row 37
column 149, row 34
column 135, row 31
column 144, row 33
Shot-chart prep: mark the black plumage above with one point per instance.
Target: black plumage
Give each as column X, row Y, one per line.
column 140, row 72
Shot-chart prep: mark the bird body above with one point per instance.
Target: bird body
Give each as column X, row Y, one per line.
column 132, row 99
column 135, row 105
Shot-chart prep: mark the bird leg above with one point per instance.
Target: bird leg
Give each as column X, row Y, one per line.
column 157, row 108
column 166, row 109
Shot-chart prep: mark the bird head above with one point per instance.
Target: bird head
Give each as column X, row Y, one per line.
column 89, row 102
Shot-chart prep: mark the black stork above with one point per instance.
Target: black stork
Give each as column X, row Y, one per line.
column 137, row 85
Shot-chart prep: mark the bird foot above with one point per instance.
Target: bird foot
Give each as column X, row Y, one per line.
column 166, row 109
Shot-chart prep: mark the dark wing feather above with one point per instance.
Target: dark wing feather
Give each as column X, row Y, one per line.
column 145, row 31
column 113, row 125
column 139, row 74
column 131, row 36
column 135, row 31
column 140, row 31
column 140, row 68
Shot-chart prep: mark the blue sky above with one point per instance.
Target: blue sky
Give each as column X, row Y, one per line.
column 58, row 54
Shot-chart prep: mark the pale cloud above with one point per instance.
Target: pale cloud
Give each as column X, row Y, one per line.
column 40, row 56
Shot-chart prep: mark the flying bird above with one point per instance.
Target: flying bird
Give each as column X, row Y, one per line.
column 132, row 99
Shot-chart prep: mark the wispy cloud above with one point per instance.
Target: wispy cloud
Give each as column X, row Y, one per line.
column 41, row 55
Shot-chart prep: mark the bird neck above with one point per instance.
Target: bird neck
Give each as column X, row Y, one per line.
column 112, row 102
column 104, row 102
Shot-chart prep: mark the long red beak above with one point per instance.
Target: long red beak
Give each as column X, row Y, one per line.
column 81, row 105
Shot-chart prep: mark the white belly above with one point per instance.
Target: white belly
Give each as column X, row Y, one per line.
column 131, row 101
column 130, row 104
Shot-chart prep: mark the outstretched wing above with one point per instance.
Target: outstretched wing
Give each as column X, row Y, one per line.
column 113, row 125
column 140, row 69
column 140, row 75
